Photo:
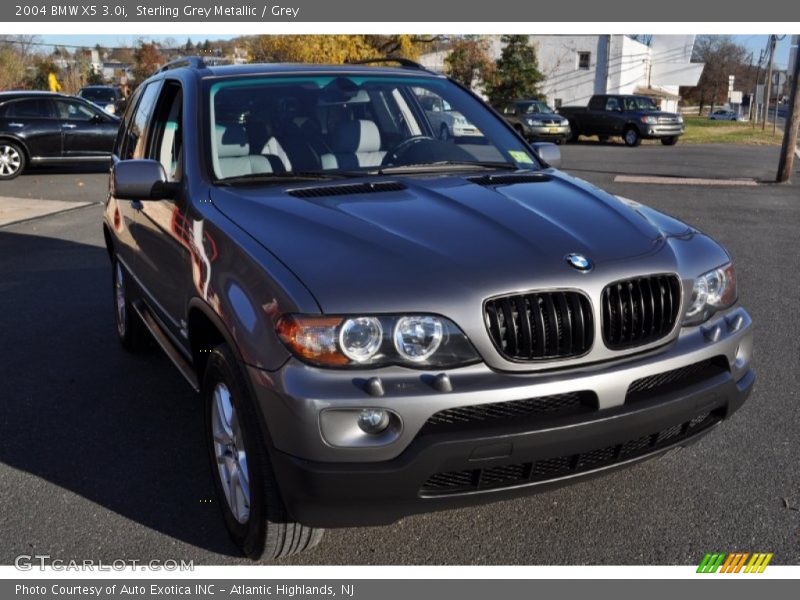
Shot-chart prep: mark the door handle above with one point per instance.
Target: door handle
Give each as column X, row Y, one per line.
column 69, row 125
column 16, row 124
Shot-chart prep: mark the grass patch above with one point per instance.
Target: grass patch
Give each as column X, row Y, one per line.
column 702, row 130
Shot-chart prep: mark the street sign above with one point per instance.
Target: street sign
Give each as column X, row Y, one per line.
column 736, row 97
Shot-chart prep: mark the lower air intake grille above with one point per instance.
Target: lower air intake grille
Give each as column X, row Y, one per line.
column 540, row 325
column 471, row 480
column 683, row 376
column 640, row 311
column 551, row 406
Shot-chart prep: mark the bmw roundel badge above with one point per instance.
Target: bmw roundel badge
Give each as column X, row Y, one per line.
column 579, row 262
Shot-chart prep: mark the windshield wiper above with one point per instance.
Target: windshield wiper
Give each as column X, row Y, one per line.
column 445, row 165
column 287, row 177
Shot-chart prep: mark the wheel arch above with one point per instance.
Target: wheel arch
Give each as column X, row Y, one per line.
column 206, row 331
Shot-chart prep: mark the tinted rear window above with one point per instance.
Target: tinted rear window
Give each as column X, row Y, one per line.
column 26, row 109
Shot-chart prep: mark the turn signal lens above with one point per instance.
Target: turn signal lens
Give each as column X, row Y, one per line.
column 312, row 338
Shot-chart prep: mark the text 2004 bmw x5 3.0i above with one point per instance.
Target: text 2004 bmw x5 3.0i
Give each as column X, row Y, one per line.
column 382, row 322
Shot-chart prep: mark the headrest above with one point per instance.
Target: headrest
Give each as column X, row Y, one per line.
column 232, row 141
column 357, row 136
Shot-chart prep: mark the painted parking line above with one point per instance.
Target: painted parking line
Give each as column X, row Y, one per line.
column 15, row 210
column 654, row 179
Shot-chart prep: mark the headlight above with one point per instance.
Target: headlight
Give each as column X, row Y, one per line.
column 535, row 123
column 110, row 109
column 417, row 338
column 650, row 120
column 680, row 118
column 421, row 341
column 711, row 292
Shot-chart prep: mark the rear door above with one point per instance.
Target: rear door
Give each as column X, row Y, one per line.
column 31, row 120
column 169, row 246
column 87, row 131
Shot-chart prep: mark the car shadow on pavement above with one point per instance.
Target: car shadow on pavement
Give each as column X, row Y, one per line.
column 122, row 431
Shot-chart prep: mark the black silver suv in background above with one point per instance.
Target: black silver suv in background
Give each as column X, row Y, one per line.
column 381, row 322
column 43, row 128
column 536, row 121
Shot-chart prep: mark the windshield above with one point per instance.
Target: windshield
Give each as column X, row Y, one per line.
column 537, row 107
column 640, row 103
column 331, row 126
column 98, row 95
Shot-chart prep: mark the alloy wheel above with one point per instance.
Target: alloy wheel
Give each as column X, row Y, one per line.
column 10, row 160
column 230, row 454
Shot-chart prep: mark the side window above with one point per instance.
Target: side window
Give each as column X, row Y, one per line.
column 166, row 134
column 132, row 145
column 127, row 116
column 630, row 104
column 596, row 103
column 510, row 109
column 69, row 110
column 32, row 108
column 612, row 103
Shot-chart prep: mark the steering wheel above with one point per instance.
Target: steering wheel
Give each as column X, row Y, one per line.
column 403, row 147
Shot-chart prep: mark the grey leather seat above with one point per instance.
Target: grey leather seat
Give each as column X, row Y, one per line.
column 354, row 144
column 232, row 157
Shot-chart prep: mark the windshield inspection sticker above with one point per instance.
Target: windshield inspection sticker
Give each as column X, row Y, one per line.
column 521, row 157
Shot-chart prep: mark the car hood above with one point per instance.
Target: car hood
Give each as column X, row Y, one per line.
column 443, row 236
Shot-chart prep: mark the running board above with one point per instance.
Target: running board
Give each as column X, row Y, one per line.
column 166, row 344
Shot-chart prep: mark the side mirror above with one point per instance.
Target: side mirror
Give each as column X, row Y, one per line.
column 549, row 153
column 141, row 179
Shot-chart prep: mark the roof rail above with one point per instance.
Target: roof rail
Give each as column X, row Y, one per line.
column 406, row 63
column 194, row 62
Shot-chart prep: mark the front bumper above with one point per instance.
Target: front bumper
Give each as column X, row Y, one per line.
column 346, row 495
column 662, row 131
column 553, row 132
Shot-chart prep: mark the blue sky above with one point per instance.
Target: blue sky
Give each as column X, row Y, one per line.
column 754, row 43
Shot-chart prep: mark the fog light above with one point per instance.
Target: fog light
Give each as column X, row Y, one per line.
column 373, row 420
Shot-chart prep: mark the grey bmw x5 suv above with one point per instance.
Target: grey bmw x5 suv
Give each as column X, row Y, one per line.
column 381, row 322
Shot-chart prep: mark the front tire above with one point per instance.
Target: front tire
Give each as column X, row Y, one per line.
column 131, row 332
column 669, row 141
column 12, row 160
column 246, row 488
column 632, row 137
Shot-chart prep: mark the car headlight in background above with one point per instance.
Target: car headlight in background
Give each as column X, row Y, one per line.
column 712, row 291
column 650, row 120
column 535, row 123
column 369, row 341
column 109, row 108
column 680, row 119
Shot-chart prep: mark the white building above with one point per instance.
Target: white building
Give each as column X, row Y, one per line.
column 577, row 66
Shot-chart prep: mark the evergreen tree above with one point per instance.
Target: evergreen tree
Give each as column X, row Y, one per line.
column 516, row 73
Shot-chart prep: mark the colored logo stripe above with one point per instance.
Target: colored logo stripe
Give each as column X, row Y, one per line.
column 734, row 562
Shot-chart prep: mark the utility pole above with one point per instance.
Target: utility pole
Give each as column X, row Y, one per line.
column 789, row 146
column 754, row 97
column 768, row 82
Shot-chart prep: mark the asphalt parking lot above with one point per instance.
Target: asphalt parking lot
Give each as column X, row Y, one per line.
column 102, row 457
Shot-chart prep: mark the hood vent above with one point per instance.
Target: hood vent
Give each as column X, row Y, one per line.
column 510, row 179
column 347, row 190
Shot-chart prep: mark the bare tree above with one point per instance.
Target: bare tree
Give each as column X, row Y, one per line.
column 722, row 57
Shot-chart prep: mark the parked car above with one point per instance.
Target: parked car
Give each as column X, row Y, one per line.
column 39, row 128
column 535, row 120
column 633, row 118
column 381, row 322
column 724, row 115
column 108, row 97
column 446, row 121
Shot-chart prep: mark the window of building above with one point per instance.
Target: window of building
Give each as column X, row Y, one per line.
column 584, row 60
